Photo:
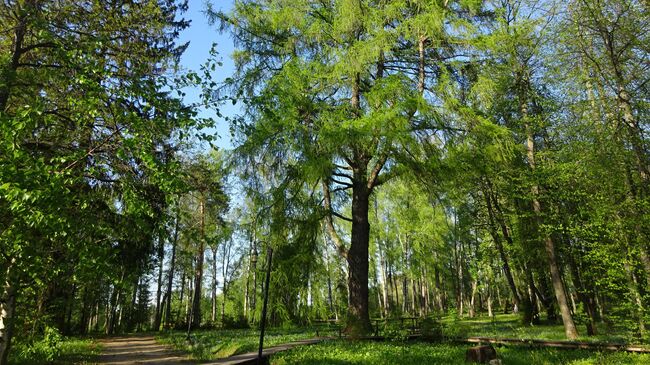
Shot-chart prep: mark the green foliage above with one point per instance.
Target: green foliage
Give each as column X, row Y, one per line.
column 431, row 329
column 238, row 322
column 52, row 347
column 350, row 352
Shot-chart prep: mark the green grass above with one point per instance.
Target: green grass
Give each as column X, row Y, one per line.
column 509, row 326
column 364, row 352
column 65, row 351
column 217, row 344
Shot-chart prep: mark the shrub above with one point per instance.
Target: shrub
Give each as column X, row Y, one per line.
column 431, row 329
column 44, row 349
column 238, row 322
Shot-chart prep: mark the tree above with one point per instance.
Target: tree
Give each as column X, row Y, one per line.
column 333, row 92
column 85, row 123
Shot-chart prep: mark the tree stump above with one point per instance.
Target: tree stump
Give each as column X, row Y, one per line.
column 480, row 354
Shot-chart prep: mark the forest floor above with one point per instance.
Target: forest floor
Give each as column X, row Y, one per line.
column 138, row 350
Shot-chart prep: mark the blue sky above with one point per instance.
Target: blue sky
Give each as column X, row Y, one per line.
column 201, row 37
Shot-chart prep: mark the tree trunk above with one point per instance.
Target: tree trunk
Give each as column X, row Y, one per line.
column 393, row 284
column 19, row 32
column 358, row 316
column 224, row 272
column 472, row 310
column 329, row 289
column 172, row 266
column 633, row 287
column 584, row 297
column 161, row 258
column 189, row 302
column 198, row 272
column 489, row 303
column 7, row 313
column 384, row 289
column 499, row 244
column 549, row 245
column 213, row 314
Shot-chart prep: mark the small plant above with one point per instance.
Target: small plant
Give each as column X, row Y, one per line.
column 46, row 348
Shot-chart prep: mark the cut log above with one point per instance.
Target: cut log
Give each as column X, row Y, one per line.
column 480, row 354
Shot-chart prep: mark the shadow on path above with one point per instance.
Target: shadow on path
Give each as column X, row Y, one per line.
column 138, row 350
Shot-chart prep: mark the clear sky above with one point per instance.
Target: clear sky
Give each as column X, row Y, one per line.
column 201, row 37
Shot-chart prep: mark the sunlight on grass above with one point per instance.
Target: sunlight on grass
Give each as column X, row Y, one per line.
column 346, row 352
column 65, row 351
column 217, row 344
column 509, row 326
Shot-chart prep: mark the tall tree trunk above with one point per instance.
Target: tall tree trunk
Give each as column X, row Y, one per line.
column 531, row 312
column 189, row 302
column 414, row 296
column 393, row 284
column 584, row 296
column 556, row 278
column 17, row 50
column 161, row 259
column 472, row 310
column 7, row 312
column 172, row 266
column 357, row 256
column 405, row 288
column 198, row 271
column 70, row 300
column 181, row 297
column 499, row 245
column 213, row 314
column 330, row 299
column 489, row 302
column 224, row 272
column 633, row 287
column 384, row 277
column 114, row 301
column 248, row 279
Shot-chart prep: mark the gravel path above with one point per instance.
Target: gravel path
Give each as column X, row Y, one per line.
column 138, row 350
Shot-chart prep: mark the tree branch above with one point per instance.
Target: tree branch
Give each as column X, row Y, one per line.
column 372, row 179
column 334, row 213
column 329, row 224
column 341, row 182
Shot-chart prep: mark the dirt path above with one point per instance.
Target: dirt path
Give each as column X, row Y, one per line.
column 138, row 350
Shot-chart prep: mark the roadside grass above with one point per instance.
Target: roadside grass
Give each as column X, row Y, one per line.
column 66, row 350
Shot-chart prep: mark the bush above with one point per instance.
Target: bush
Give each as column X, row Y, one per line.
column 44, row 349
column 238, row 322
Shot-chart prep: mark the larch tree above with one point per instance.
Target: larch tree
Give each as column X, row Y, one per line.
column 336, row 89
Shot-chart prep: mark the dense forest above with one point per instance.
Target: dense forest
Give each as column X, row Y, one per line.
column 401, row 158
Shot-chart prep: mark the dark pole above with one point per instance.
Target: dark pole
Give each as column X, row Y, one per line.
column 266, row 301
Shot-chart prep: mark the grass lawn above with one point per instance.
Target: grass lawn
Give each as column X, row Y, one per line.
column 509, row 326
column 217, row 344
column 400, row 353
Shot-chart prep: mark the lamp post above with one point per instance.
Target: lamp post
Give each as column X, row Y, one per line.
column 269, row 256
